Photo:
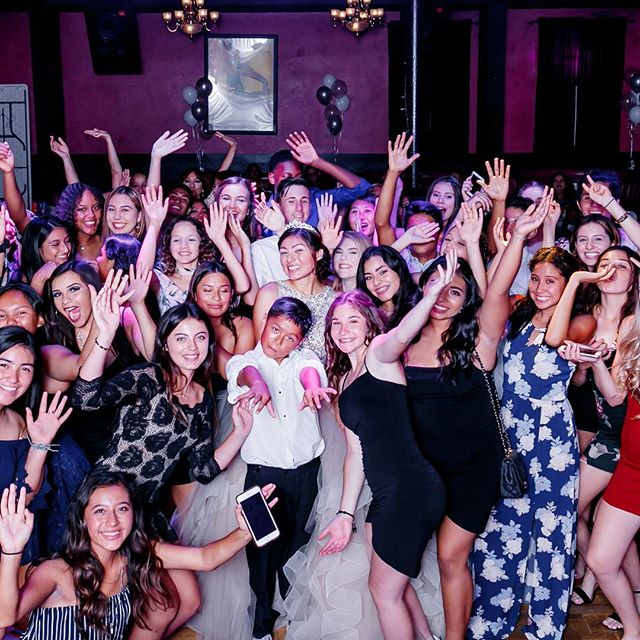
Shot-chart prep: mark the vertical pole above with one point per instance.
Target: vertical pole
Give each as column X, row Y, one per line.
column 415, row 37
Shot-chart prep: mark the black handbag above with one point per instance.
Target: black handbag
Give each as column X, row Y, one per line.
column 513, row 475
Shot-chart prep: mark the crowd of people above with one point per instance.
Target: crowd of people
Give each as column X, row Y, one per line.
column 370, row 355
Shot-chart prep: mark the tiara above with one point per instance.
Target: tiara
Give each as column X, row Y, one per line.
column 296, row 224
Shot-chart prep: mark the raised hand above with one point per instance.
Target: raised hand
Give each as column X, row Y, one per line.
column 125, row 178
column 216, row 225
column 168, row 143
column 438, row 281
column 107, row 303
column 7, row 159
column 339, row 533
column 312, row 398
column 398, row 153
column 4, row 214
column 259, row 392
column 467, row 187
column 242, row 417
column 500, row 235
column 16, row 521
column 270, row 217
column 422, row 233
column 481, row 200
column 44, row 429
column 98, row 133
column 598, row 192
column 533, row 217
column 155, row 210
column 59, row 147
column 232, row 142
column 139, row 281
column 469, row 222
column 551, row 221
column 329, row 222
column 301, row 148
column 498, row 186
column 236, row 229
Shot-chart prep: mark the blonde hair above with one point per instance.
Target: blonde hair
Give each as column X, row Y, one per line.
column 362, row 243
column 132, row 194
column 628, row 374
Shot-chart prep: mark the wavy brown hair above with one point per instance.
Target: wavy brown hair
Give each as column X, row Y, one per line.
column 145, row 574
column 206, row 253
column 338, row 363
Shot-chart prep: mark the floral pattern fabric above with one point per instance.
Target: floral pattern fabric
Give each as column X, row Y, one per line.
column 526, row 551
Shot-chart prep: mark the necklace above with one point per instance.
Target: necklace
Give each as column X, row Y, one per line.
column 187, row 272
column 120, row 576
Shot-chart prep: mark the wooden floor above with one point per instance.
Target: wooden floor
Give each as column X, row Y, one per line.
column 585, row 623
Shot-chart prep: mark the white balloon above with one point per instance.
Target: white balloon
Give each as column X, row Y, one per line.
column 189, row 119
column 634, row 115
column 328, row 80
column 343, row 103
column 189, row 94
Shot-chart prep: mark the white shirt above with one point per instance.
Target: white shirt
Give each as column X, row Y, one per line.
column 292, row 438
column 265, row 256
column 415, row 266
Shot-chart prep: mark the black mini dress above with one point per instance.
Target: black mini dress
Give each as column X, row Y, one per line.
column 408, row 494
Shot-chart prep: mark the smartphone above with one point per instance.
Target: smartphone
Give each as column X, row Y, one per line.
column 262, row 526
column 476, row 186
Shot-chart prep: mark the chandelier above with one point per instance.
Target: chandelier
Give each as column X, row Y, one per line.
column 358, row 16
column 191, row 19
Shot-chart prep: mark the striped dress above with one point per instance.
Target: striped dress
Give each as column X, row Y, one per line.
column 59, row 623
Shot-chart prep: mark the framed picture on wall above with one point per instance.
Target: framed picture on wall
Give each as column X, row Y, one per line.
column 244, row 73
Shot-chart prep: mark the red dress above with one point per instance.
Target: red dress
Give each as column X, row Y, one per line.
column 623, row 491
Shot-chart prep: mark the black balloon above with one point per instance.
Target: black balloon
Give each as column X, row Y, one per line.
column 335, row 126
column 206, row 134
column 628, row 102
column 630, row 72
column 324, row 95
column 331, row 111
column 339, row 88
column 199, row 110
column 634, row 82
column 204, row 87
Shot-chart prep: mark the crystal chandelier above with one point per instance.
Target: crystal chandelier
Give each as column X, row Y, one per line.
column 358, row 16
column 191, row 19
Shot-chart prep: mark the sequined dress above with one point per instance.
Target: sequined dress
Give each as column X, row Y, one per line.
column 319, row 306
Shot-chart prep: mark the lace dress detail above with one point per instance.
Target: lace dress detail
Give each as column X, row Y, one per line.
column 319, row 305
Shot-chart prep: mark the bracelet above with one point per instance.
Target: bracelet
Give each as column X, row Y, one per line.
column 14, row 553
column 101, row 347
column 622, row 218
column 606, row 206
column 339, row 512
column 40, row 446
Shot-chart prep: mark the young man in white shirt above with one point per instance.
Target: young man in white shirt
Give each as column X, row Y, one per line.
column 284, row 445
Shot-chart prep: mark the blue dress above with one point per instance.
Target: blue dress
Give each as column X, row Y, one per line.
column 526, row 551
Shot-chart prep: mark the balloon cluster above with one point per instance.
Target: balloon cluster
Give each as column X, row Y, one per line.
column 631, row 101
column 197, row 98
column 332, row 88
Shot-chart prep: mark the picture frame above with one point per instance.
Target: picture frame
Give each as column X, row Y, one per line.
column 243, row 70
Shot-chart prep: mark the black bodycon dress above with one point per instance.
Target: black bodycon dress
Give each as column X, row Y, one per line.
column 408, row 494
column 457, row 432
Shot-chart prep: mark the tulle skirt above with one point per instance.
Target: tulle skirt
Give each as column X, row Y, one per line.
column 209, row 514
column 329, row 597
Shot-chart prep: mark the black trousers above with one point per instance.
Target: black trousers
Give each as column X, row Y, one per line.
column 296, row 490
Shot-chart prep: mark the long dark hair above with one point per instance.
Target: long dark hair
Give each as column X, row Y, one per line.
column 593, row 296
column 17, row 336
column 460, row 337
column 408, row 293
column 338, row 363
column 144, row 569
column 58, row 329
column 526, row 308
column 203, row 270
column 168, row 322
column 313, row 241
column 457, row 194
column 607, row 226
column 33, row 237
column 206, row 252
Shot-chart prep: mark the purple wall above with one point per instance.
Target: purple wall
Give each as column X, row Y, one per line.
column 136, row 109
column 15, row 57
column 522, row 71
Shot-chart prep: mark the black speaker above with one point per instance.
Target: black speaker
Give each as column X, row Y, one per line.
column 114, row 43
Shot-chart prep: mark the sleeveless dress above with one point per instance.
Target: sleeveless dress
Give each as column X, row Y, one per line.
column 319, row 306
column 457, row 432
column 527, row 550
column 623, row 490
column 58, row 623
column 408, row 494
